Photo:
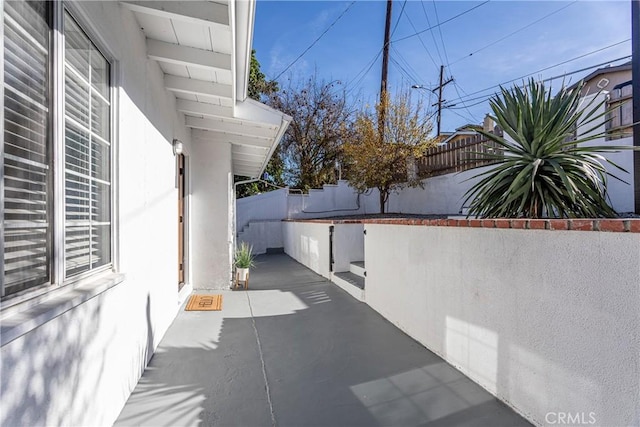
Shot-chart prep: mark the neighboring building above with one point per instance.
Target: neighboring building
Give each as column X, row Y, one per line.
column 613, row 84
column 106, row 226
column 616, row 81
column 462, row 134
column 606, row 78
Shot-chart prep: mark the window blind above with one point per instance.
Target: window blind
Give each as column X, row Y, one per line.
column 87, row 153
column 26, row 160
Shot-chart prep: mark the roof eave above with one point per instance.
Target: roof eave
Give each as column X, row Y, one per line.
column 243, row 16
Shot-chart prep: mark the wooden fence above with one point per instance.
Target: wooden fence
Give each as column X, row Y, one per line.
column 456, row 156
column 465, row 153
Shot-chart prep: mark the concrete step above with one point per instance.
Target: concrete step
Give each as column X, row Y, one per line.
column 272, row 251
column 351, row 283
column 357, row 268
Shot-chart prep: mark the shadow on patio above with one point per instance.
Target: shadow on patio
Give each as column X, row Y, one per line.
column 296, row 350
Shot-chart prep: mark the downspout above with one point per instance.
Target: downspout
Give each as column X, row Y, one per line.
column 635, row 78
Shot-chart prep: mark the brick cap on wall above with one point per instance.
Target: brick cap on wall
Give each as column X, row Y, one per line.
column 611, row 225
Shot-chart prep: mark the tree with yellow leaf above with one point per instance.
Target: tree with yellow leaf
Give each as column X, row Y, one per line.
column 386, row 144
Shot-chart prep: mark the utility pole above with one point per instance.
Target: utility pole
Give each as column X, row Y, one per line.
column 385, row 71
column 440, row 100
column 385, row 50
column 635, row 76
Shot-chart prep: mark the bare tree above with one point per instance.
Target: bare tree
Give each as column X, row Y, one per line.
column 312, row 147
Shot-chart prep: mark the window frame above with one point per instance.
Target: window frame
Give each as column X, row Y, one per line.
column 61, row 195
column 2, row 146
column 34, row 290
column 57, row 148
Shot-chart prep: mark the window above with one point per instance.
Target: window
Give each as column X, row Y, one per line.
column 56, row 223
column 27, row 154
column 87, row 153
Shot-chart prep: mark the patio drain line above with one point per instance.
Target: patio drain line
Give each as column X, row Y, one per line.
column 264, row 369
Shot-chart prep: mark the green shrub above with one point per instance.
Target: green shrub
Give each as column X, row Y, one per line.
column 243, row 257
column 543, row 172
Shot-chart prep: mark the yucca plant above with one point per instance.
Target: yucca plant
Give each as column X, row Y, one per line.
column 542, row 172
column 243, row 258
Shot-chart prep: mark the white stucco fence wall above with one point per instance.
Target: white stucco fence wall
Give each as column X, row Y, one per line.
column 348, row 245
column 79, row 366
column 546, row 320
column 308, row 243
column 620, row 193
column 261, row 207
column 262, row 236
column 441, row 195
column 331, row 200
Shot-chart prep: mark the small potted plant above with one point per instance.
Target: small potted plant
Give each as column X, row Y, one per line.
column 243, row 261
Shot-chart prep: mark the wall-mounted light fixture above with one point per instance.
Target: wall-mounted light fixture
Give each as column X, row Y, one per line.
column 177, row 147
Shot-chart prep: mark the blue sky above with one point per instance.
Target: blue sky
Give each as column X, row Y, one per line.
column 566, row 30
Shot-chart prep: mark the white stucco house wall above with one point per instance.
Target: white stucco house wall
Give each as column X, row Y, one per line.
column 106, row 227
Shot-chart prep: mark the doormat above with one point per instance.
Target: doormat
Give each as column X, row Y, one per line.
column 204, row 303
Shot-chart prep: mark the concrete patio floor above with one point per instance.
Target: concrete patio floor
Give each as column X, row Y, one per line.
column 296, row 350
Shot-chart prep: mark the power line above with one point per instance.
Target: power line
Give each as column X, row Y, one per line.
column 470, row 119
column 410, row 72
column 536, row 72
column 549, row 67
column 395, row 27
column 446, row 56
column 585, row 69
column 464, row 105
column 444, row 47
column 484, row 98
column 443, row 22
column 457, row 87
column 422, row 42
column 365, row 70
column 402, row 70
column 316, row 40
column 433, row 37
column 405, row 78
column 513, row 33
